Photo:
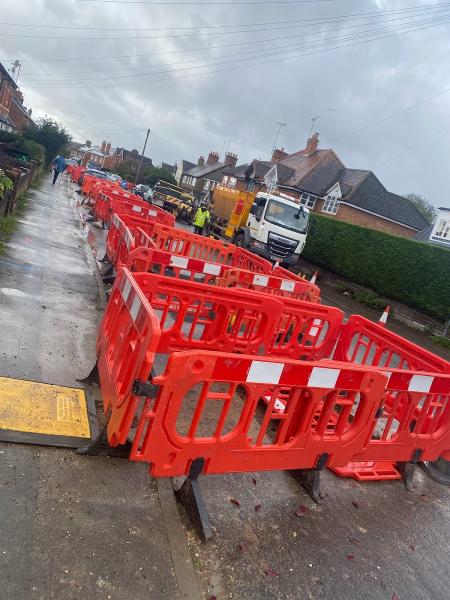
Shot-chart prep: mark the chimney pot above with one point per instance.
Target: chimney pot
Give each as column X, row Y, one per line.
column 230, row 159
column 108, row 148
column 88, row 143
column 104, row 147
column 201, row 161
column 212, row 158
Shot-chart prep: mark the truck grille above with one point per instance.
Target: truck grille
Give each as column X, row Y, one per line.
column 281, row 247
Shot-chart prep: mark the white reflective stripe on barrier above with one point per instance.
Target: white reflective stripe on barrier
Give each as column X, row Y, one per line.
column 261, row 280
column 137, row 209
column 287, row 285
column 152, row 213
column 212, row 269
column 134, row 311
column 420, row 383
column 179, row 261
column 323, row 378
column 264, row 372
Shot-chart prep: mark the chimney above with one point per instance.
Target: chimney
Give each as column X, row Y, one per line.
column 108, row 148
column 104, row 147
column 278, row 155
column 312, row 144
column 213, row 158
column 230, row 159
column 201, row 161
column 88, row 143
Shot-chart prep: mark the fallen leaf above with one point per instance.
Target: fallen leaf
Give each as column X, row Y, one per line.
column 257, row 507
column 353, row 540
column 413, row 548
column 350, row 557
column 301, row 511
column 253, row 481
column 212, row 598
column 271, row 573
column 235, row 502
column 355, row 504
column 395, row 597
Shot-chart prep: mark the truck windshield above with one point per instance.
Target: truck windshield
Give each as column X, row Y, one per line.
column 290, row 217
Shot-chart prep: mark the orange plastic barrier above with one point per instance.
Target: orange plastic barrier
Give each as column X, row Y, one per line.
column 76, row 173
column 365, row 342
column 190, row 244
column 314, row 290
column 207, row 404
column 184, row 315
column 243, row 259
column 297, row 288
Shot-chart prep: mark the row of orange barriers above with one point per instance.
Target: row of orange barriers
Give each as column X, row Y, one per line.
column 212, row 361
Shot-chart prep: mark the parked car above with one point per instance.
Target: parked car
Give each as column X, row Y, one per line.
column 144, row 191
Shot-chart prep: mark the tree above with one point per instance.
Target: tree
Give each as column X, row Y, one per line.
column 150, row 176
column 50, row 134
column 19, row 143
column 427, row 210
column 127, row 169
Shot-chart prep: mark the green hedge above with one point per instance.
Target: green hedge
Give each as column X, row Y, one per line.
column 415, row 273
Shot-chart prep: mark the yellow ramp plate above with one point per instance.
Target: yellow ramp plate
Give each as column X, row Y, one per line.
column 39, row 413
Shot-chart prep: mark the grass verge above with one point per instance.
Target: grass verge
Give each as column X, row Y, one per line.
column 8, row 224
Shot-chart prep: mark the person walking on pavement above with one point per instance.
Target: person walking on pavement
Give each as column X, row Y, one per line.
column 59, row 166
column 201, row 218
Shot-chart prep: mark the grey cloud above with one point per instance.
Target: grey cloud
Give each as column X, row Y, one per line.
column 191, row 115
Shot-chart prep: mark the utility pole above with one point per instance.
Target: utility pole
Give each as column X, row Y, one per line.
column 280, row 127
column 138, row 172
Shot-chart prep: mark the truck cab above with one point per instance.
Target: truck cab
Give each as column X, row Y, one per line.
column 276, row 228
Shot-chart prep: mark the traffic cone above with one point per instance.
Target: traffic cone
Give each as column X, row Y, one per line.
column 384, row 316
column 314, row 278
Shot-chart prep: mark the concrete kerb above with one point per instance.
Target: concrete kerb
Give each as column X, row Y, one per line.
column 185, row 573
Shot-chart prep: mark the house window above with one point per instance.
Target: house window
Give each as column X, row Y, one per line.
column 250, row 185
column 443, row 229
column 206, row 184
column 307, row 200
column 232, row 182
column 225, row 181
column 331, row 205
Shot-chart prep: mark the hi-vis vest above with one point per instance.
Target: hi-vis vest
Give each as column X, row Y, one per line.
column 201, row 217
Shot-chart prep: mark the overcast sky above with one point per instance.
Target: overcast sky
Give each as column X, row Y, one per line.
column 196, row 87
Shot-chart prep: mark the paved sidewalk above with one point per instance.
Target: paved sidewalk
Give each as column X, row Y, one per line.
column 71, row 527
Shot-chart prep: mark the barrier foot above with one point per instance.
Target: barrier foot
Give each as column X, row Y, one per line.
column 190, row 496
column 309, row 479
column 407, row 469
column 92, row 378
column 99, row 445
column 108, row 274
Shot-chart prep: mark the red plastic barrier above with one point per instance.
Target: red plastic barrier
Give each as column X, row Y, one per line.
column 148, row 259
column 188, row 315
column 126, row 346
column 365, row 342
column 185, row 243
column 298, row 288
column 243, row 259
column 314, row 290
column 119, row 242
column 207, row 404
column 76, row 173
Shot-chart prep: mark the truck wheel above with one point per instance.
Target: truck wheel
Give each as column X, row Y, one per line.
column 239, row 240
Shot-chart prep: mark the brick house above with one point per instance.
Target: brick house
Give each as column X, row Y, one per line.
column 14, row 116
column 194, row 179
column 183, row 166
column 318, row 179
